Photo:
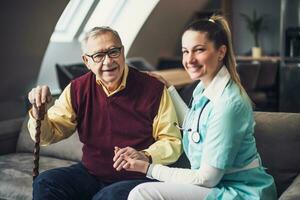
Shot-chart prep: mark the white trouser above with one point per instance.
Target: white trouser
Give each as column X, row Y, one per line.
column 168, row 191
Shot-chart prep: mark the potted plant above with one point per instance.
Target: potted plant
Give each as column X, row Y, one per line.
column 255, row 26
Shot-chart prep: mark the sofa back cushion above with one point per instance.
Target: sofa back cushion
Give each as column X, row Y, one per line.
column 278, row 142
column 70, row 148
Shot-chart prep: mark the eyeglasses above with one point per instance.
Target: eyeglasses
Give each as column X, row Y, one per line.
column 112, row 53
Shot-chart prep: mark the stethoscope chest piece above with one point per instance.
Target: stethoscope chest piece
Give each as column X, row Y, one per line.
column 195, row 137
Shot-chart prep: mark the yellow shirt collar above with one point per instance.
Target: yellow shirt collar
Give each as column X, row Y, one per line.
column 121, row 86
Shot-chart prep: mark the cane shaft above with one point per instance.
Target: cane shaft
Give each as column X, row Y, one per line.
column 36, row 151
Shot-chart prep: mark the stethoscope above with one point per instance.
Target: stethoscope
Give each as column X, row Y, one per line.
column 195, row 135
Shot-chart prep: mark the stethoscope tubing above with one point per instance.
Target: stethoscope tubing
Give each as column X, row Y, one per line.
column 198, row 122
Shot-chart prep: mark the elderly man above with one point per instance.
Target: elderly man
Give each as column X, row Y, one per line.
column 117, row 110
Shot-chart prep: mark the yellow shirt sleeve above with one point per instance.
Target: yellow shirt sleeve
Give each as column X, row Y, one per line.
column 168, row 146
column 59, row 121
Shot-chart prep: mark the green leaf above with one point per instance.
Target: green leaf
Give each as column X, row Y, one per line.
column 254, row 24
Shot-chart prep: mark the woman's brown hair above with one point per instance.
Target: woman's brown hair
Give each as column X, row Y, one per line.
column 217, row 30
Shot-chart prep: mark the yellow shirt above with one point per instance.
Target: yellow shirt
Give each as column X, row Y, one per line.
column 60, row 122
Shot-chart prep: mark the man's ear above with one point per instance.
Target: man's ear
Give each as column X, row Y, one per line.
column 85, row 61
column 222, row 51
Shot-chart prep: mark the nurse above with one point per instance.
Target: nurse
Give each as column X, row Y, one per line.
column 217, row 130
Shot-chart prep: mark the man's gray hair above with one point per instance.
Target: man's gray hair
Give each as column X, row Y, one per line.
column 98, row 31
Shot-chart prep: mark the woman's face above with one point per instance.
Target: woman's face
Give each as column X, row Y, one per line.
column 200, row 58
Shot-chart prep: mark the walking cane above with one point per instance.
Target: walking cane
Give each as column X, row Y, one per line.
column 36, row 151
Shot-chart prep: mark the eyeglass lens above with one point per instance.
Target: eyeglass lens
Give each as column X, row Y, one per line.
column 112, row 53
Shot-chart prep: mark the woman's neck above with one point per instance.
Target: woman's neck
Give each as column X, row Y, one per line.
column 207, row 80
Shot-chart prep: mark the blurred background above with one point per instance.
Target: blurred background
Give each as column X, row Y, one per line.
column 40, row 44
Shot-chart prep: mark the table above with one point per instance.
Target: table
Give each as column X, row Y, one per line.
column 177, row 76
column 261, row 59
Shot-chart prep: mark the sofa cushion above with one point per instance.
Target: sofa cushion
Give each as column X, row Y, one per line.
column 70, row 148
column 9, row 133
column 278, row 142
column 293, row 191
column 16, row 174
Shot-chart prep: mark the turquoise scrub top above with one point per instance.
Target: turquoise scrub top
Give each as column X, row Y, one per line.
column 226, row 128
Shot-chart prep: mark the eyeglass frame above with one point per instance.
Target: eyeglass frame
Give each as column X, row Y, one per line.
column 105, row 53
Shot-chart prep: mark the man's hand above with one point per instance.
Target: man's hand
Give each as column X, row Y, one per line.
column 38, row 96
column 128, row 152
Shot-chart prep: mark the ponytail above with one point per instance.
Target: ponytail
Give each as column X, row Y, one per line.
column 229, row 59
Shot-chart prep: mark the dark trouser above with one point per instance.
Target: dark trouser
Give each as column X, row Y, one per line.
column 74, row 182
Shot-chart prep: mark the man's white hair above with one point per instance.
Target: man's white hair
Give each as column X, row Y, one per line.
column 94, row 32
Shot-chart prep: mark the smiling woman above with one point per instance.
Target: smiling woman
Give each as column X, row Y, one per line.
column 201, row 59
column 217, row 129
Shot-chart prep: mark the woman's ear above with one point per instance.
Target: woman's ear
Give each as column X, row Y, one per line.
column 222, row 52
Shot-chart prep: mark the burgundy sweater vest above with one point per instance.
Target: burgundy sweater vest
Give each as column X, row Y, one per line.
column 123, row 119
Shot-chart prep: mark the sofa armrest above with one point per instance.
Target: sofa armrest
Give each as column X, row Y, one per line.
column 9, row 132
column 277, row 138
column 292, row 192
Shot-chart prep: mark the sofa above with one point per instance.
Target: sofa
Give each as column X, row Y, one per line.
column 277, row 136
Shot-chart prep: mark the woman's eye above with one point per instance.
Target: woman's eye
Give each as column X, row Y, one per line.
column 184, row 52
column 199, row 50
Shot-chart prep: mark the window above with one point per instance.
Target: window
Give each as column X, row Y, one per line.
column 71, row 19
column 125, row 16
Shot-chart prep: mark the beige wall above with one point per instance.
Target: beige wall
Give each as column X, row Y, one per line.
column 161, row 32
column 26, row 27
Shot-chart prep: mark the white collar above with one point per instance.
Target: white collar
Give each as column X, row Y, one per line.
column 217, row 85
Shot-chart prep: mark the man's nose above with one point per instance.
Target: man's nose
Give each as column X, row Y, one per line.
column 107, row 59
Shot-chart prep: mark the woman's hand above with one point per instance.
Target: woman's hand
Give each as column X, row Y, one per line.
column 160, row 78
column 135, row 165
column 127, row 151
